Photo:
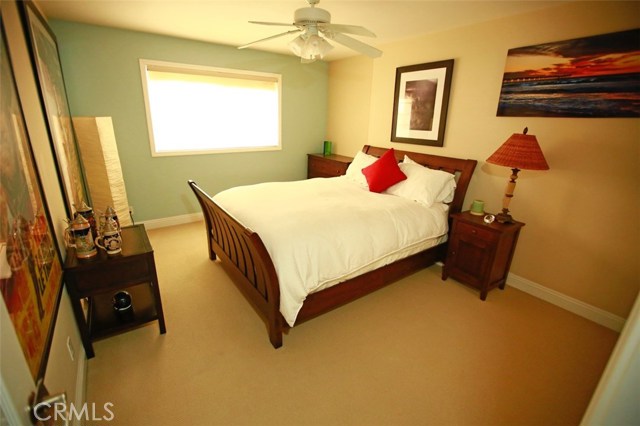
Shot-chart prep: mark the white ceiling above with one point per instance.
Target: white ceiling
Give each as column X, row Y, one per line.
column 226, row 22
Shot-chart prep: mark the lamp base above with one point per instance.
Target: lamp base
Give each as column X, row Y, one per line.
column 504, row 217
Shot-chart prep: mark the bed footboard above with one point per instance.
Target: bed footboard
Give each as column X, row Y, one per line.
column 246, row 260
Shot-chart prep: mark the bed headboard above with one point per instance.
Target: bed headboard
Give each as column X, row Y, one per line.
column 461, row 168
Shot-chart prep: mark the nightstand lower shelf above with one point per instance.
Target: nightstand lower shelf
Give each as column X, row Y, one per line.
column 103, row 320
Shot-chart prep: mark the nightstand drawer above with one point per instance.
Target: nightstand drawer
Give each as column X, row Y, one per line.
column 473, row 231
column 127, row 271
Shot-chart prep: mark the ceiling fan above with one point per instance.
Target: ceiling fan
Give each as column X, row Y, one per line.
column 313, row 23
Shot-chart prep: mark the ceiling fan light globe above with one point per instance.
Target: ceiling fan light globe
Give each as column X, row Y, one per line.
column 297, row 45
column 316, row 47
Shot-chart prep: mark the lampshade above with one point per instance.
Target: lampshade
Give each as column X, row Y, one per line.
column 520, row 151
column 310, row 47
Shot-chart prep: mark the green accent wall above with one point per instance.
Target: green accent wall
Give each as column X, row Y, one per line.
column 102, row 76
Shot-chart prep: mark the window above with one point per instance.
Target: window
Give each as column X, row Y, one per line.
column 197, row 110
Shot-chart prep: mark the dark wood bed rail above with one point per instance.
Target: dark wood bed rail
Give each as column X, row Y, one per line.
column 246, row 260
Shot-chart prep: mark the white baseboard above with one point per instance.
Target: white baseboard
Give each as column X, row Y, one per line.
column 576, row 306
column 592, row 313
column 173, row 220
column 597, row 315
column 81, row 385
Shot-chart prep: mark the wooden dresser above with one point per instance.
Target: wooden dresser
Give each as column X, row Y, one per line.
column 333, row 165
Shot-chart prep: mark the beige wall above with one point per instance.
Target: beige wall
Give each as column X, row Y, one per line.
column 582, row 233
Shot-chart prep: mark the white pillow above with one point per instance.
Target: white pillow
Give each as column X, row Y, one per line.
column 354, row 171
column 424, row 185
column 448, row 190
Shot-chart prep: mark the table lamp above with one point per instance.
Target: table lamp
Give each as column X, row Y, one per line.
column 519, row 152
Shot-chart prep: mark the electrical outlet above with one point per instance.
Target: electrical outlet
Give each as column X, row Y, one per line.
column 131, row 210
column 72, row 351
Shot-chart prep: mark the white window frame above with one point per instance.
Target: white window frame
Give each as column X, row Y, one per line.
column 163, row 66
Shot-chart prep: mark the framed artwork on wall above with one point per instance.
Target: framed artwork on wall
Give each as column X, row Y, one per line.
column 590, row 77
column 420, row 103
column 30, row 261
column 46, row 60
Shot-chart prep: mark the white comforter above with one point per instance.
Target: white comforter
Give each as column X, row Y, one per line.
column 322, row 231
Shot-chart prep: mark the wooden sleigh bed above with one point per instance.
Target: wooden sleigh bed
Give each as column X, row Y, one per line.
column 246, row 260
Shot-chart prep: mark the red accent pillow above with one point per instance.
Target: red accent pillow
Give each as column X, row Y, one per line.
column 384, row 173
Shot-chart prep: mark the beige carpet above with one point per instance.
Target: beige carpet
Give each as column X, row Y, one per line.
column 419, row 352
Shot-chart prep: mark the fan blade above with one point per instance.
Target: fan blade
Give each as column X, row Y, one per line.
column 348, row 29
column 354, row 44
column 280, row 24
column 268, row 38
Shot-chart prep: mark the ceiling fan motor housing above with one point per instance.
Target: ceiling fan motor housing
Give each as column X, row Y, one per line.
column 307, row 15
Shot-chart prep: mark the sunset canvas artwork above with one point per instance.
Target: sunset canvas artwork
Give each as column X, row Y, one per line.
column 595, row 76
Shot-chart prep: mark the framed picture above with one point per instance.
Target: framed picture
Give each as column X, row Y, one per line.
column 45, row 56
column 420, row 103
column 30, row 265
column 596, row 76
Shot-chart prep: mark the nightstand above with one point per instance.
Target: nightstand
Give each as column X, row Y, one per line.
column 92, row 284
column 333, row 165
column 480, row 254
